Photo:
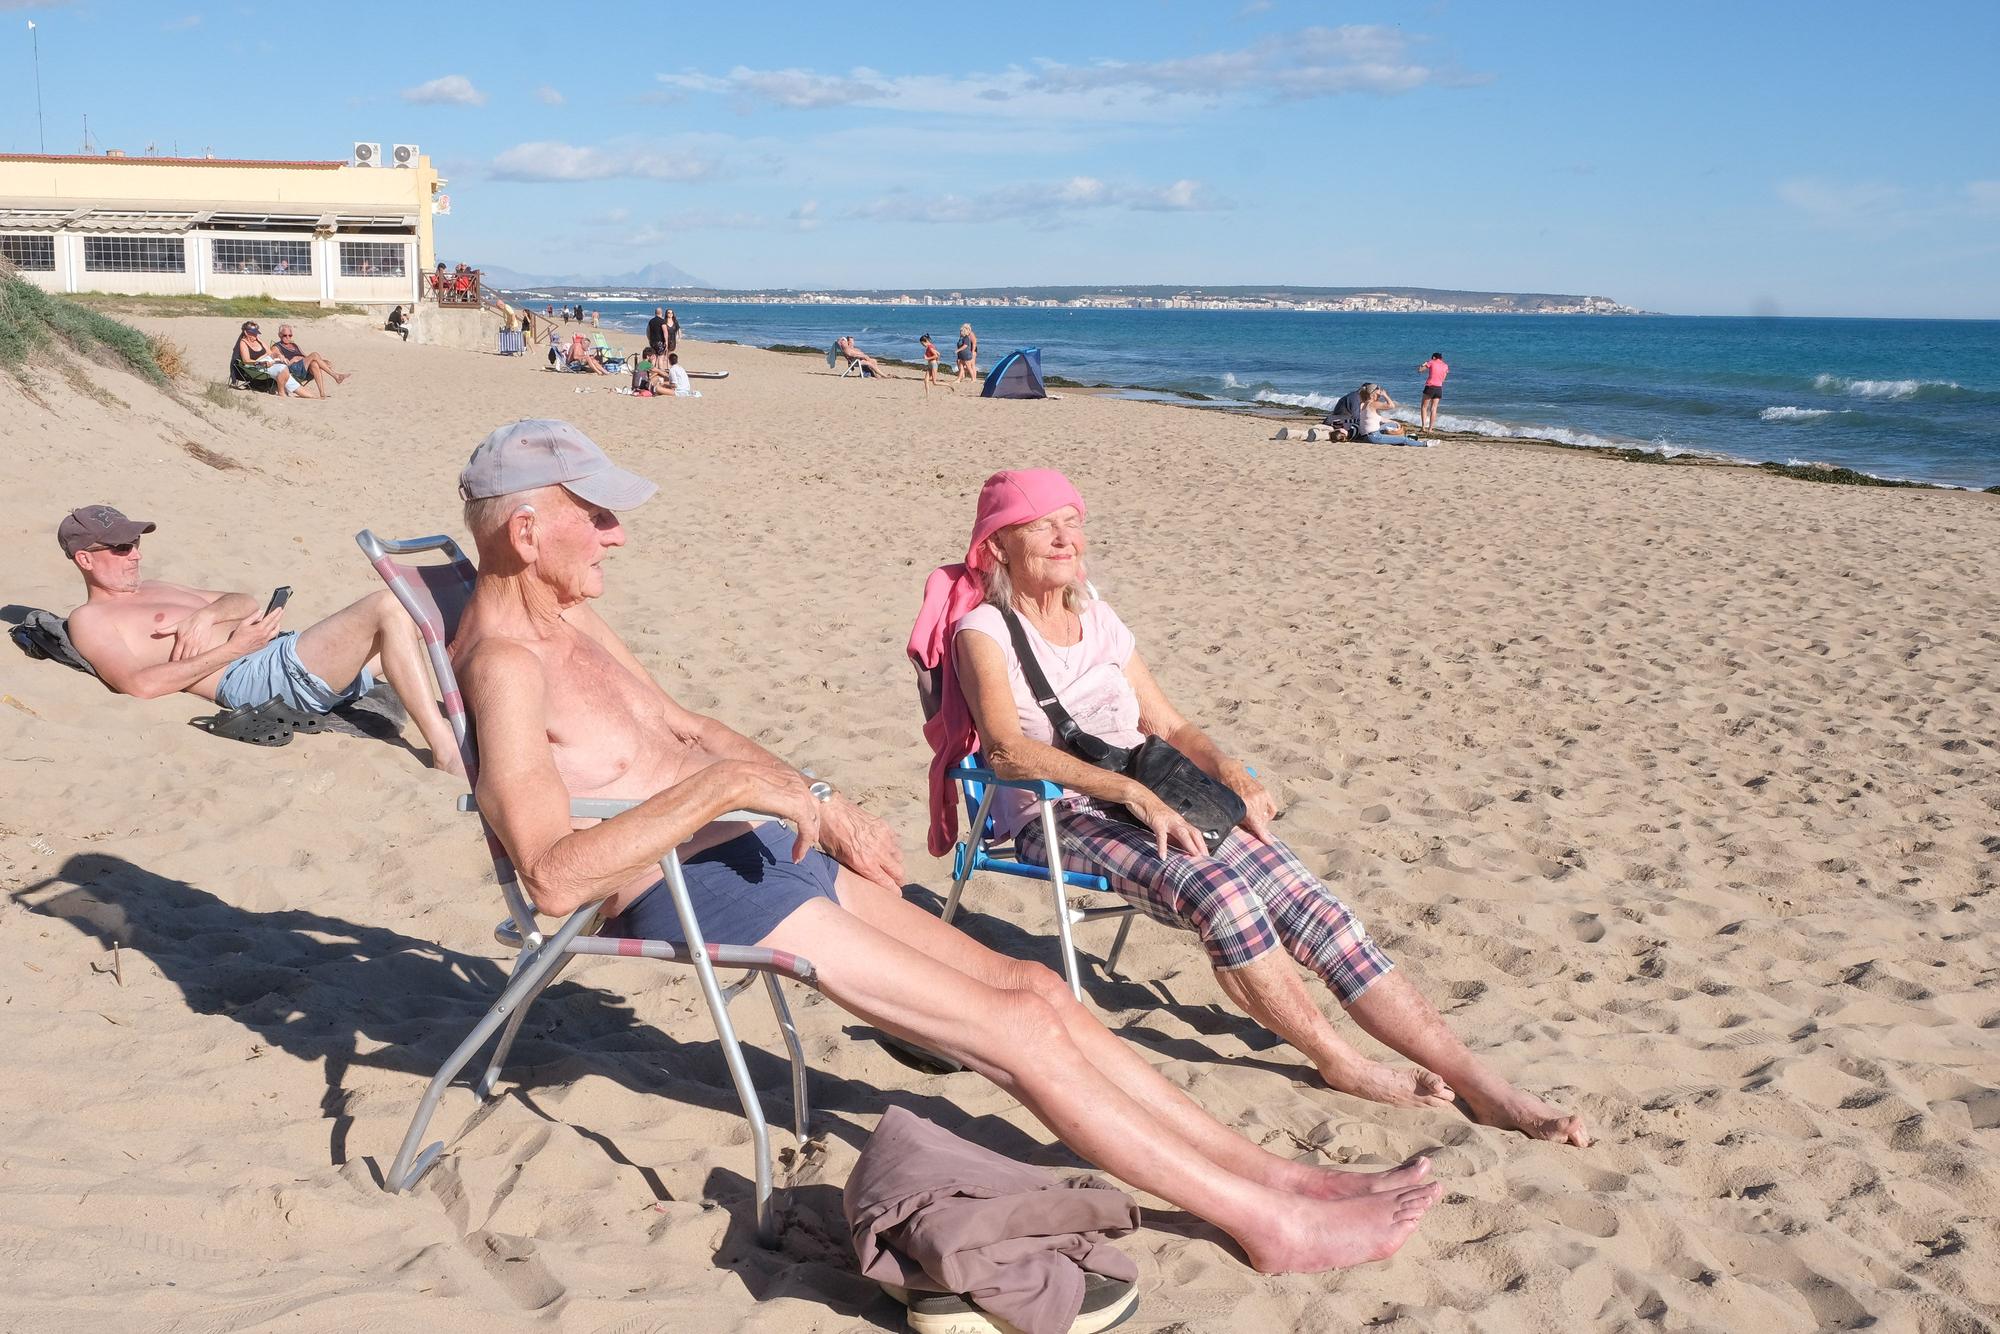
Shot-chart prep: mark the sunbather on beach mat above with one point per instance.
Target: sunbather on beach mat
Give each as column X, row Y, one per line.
column 148, row 638
column 563, row 709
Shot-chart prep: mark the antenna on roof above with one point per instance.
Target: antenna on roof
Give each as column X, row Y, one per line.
column 86, row 132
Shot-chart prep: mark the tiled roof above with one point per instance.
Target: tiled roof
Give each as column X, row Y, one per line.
column 169, row 161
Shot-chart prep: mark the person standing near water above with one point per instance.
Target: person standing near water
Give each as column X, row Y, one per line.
column 968, row 353
column 1434, row 372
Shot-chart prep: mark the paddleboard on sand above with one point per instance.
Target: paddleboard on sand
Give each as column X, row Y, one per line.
column 708, row 375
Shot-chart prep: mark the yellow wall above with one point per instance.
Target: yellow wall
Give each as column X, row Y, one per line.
column 226, row 186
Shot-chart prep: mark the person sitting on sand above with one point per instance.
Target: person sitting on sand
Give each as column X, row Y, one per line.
column 677, row 378
column 306, row 365
column 856, row 357
column 1361, row 414
column 398, row 324
column 563, row 709
column 258, row 365
column 583, row 358
column 148, row 638
column 1252, row 901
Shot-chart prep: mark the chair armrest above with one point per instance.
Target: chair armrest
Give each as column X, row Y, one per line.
column 1040, row 787
column 601, row 808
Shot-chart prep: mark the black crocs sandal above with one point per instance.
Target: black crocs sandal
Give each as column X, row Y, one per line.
column 268, row 724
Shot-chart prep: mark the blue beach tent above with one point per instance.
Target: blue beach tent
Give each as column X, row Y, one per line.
column 1019, row 375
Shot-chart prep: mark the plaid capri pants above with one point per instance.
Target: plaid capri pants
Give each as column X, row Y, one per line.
column 1244, row 901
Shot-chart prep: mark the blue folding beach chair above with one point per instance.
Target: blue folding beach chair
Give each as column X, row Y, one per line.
column 980, row 849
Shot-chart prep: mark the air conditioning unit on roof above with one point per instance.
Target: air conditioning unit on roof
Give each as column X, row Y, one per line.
column 366, row 155
column 403, row 155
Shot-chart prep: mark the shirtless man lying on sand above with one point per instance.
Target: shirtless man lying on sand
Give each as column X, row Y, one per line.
column 563, row 709
column 148, row 638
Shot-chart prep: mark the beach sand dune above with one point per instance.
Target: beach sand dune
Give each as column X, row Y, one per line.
column 1676, row 788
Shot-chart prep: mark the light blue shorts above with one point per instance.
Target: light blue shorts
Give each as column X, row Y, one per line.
column 275, row 672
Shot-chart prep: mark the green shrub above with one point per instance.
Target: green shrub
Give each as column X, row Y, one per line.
column 30, row 317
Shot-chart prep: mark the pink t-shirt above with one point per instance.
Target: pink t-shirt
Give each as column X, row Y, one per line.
column 1436, row 371
column 1088, row 677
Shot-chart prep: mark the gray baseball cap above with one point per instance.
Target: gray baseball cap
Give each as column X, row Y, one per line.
column 95, row 526
column 528, row 455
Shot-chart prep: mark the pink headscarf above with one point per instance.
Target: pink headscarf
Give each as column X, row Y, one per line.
column 1008, row 498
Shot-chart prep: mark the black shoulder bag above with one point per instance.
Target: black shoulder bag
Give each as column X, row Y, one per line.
column 1154, row 764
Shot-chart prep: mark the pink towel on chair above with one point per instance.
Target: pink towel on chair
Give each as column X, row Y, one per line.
column 1008, row 498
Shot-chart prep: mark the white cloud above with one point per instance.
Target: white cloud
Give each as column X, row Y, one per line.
column 451, row 90
column 796, row 88
column 548, row 96
column 806, row 216
column 1040, row 201
column 1310, row 62
column 570, row 162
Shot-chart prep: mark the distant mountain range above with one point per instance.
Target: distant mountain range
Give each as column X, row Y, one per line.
column 659, row 275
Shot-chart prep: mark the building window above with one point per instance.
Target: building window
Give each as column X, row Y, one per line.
column 31, row 254
column 134, row 254
column 372, row 259
column 238, row 255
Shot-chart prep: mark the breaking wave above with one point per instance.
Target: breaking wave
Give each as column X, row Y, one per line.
column 1891, row 389
column 1319, row 402
column 1793, row 414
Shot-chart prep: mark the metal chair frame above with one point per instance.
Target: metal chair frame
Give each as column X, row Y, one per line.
column 540, row 958
column 981, row 849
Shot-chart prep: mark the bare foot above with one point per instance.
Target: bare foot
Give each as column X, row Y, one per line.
column 1333, row 1183
column 1524, row 1112
column 1376, row 1082
column 1337, row 1234
column 343, row 379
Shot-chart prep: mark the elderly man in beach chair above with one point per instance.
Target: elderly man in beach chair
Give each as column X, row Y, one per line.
column 256, row 366
column 148, row 638
column 858, row 362
column 563, row 710
column 1045, row 675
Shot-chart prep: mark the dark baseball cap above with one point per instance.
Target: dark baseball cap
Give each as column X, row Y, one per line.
column 98, row 526
column 531, row 454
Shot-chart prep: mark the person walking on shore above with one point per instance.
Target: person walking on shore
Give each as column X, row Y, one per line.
column 968, row 353
column 930, row 363
column 1434, row 372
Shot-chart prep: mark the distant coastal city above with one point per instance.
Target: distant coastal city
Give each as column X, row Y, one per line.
column 1344, row 300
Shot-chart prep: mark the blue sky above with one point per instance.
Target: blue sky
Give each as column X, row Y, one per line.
column 1736, row 158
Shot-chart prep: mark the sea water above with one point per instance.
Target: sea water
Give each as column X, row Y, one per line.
column 1917, row 399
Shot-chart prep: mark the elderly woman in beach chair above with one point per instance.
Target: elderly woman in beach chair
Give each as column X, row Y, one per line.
column 253, row 365
column 1046, row 677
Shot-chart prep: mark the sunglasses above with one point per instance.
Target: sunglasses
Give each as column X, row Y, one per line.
column 121, row 549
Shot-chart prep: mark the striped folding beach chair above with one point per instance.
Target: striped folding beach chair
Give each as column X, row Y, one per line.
column 435, row 594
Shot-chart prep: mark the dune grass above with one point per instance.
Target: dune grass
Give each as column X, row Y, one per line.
column 233, row 307
column 30, row 318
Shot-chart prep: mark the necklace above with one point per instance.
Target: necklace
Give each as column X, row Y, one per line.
column 1064, row 654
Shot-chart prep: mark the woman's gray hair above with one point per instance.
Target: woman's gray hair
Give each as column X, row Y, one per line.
column 1000, row 589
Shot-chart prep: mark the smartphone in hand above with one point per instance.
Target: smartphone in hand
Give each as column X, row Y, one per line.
column 279, row 597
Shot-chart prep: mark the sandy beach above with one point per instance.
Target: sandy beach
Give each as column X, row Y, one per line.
column 1676, row 788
